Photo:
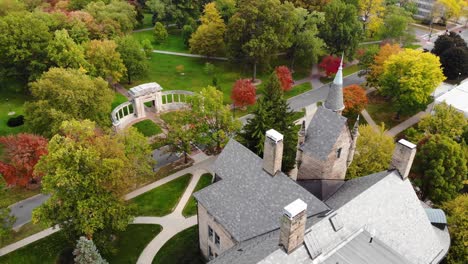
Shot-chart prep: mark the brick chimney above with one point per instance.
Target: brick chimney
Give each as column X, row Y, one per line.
column 273, row 152
column 293, row 225
column 403, row 157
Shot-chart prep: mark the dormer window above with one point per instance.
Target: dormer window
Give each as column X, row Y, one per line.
column 338, row 153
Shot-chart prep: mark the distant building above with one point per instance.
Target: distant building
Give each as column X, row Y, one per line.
column 254, row 213
column 425, row 8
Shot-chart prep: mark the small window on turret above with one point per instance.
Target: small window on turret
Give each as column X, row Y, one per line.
column 338, row 153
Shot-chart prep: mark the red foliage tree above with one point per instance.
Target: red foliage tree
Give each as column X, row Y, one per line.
column 330, row 65
column 20, row 155
column 285, row 77
column 355, row 99
column 243, row 93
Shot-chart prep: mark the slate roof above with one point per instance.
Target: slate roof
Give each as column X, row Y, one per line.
column 322, row 133
column 381, row 204
column 248, row 201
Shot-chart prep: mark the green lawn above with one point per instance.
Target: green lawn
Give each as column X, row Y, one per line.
column 148, row 128
column 163, row 199
column 10, row 101
column 146, row 21
column 382, row 110
column 118, row 99
column 191, row 206
column 131, row 243
column 25, row 231
column 44, row 251
column 15, row 194
column 181, row 249
column 174, row 41
column 296, row 90
column 129, row 246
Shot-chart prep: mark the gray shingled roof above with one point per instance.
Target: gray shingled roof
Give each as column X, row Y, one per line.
column 322, row 133
column 381, row 204
column 334, row 99
column 248, row 201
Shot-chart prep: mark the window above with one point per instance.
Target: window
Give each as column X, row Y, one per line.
column 210, row 233
column 217, row 242
column 338, row 153
column 210, row 252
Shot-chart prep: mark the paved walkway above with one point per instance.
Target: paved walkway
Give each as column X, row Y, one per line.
column 170, row 222
column 189, row 55
column 22, row 210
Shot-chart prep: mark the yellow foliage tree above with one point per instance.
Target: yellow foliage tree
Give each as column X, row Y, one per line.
column 372, row 12
column 452, row 8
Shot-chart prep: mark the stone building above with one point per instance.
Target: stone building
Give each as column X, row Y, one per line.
column 254, row 213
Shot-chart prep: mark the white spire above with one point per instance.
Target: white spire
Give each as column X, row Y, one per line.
column 339, row 74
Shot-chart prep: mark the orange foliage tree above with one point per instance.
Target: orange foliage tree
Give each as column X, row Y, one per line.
column 243, row 93
column 20, row 154
column 376, row 69
column 355, row 99
column 285, row 77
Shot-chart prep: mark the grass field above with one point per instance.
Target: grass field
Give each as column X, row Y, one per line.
column 10, row 101
column 163, row 199
column 174, row 41
column 15, row 194
column 148, row 128
column 181, row 249
column 382, row 110
column 191, row 206
column 25, row 231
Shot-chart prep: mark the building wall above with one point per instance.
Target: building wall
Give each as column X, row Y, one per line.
column 333, row 167
column 205, row 220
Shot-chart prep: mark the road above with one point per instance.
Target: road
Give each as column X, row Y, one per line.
column 23, row 210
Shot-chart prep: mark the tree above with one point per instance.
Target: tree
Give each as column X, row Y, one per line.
column 355, row 99
column 306, row 45
column 187, row 32
column 213, row 119
column 447, row 41
column 443, row 168
column 20, row 154
column 455, row 62
column 445, row 120
column 374, row 151
column 86, row 252
column 105, row 60
column 181, row 134
column 10, row 6
column 409, row 78
column 452, row 8
column 272, row 111
column 160, row 33
column 24, row 38
column 85, row 173
column 116, row 18
column 366, row 59
column 208, row 39
column 6, row 220
column 377, row 66
column 254, row 34
column 65, row 53
column 147, row 47
column 284, row 77
column 341, row 30
column 457, row 212
column 227, row 8
column 371, row 11
column 63, row 94
column 395, row 25
column 330, row 64
column 243, row 93
column 133, row 57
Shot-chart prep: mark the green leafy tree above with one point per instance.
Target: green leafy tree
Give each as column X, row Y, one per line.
column 6, row 219
column 272, row 111
column 63, row 94
column 212, row 119
column 342, row 29
column 395, row 25
column 133, row 57
column 306, row 45
column 409, row 78
column 65, row 53
column 86, row 252
column 147, row 47
column 227, row 8
column 116, row 17
column 187, row 32
column 457, row 212
column 455, row 63
column 443, row 166
column 10, row 6
column 24, row 38
column 374, row 151
column 105, row 60
column 254, row 34
column 366, row 59
column 446, row 121
column 181, row 133
column 447, row 41
column 159, row 32
column 208, row 39
column 86, row 176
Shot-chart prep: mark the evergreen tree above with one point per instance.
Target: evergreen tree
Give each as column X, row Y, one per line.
column 86, row 252
column 272, row 111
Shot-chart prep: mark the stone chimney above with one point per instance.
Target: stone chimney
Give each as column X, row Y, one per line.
column 403, row 157
column 273, row 152
column 293, row 225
